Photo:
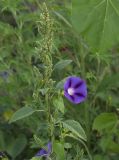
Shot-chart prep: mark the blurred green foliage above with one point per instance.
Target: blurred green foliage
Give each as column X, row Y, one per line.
column 39, row 47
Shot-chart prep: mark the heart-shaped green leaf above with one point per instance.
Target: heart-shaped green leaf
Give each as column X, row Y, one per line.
column 97, row 21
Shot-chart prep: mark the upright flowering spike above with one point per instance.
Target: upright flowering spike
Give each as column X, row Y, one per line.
column 75, row 89
column 45, row 152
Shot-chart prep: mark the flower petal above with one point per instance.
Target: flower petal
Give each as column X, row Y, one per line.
column 49, row 145
column 69, row 97
column 67, row 84
column 78, row 84
column 80, row 89
column 43, row 153
column 75, row 81
column 79, row 98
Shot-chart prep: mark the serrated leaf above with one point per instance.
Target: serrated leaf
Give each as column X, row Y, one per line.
column 62, row 64
column 97, row 21
column 22, row 113
column 105, row 121
column 75, row 128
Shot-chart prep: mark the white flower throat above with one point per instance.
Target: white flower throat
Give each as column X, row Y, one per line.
column 71, row 91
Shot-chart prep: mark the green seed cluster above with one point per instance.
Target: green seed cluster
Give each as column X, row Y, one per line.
column 45, row 45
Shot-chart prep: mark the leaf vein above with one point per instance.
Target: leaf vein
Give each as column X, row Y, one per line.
column 114, row 7
column 104, row 24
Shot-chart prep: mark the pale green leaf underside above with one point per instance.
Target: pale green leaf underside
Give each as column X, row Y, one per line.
column 62, row 64
column 97, row 21
column 75, row 128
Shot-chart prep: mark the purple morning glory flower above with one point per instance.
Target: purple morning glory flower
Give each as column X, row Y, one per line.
column 45, row 152
column 75, row 89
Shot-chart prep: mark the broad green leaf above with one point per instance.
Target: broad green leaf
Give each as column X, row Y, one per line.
column 62, row 64
column 75, row 128
column 105, row 121
column 59, row 104
column 18, row 146
column 109, row 82
column 62, row 18
column 22, row 113
column 113, row 147
column 97, row 21
column 58, row 148
column 107, row 144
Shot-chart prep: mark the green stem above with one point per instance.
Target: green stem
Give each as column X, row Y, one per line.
column 86, row 148
column 81, row 65
column 87, row 124
column 50, row 118
column 89, row 155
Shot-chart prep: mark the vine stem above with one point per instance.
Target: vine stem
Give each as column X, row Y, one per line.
column 49, row 118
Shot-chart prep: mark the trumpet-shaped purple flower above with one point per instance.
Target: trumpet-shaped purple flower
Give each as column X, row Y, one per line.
column 45, row 152
column 75, row 89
